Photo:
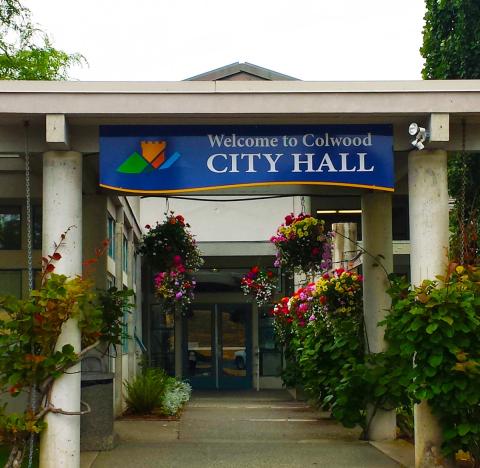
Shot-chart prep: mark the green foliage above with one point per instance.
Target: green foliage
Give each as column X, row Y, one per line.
column 29, row 333
column 451, row 48
column 437, row 325
column 144, row 393
column 113, row 303
column 451, row 40
column 329, row 364
column 26, row 52
column 169, row 243
column 154, row 391
column 176, row 394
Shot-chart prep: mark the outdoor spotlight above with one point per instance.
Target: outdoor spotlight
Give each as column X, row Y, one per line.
column 413, row 129
column 420, row 134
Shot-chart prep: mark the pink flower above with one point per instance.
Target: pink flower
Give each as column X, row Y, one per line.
column 303, row 307
column 177, row 259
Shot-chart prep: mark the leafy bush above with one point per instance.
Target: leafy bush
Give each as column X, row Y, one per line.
column 154, row 391
column 176, row 394
column 144, row 393
column 438, row 325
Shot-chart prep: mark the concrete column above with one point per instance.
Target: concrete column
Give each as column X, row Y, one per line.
column 377, row 241
column 300, row 279
column 428, row 205
column 344, row 245
column 178, row 343
column 62, row 208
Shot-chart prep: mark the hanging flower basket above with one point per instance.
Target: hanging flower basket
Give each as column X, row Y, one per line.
column 260, row 284
column 303, row 245
column 332, row 298
column 172, row 251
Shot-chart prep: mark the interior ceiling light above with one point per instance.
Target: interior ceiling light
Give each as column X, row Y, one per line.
column 350, row 211
column 326, row 211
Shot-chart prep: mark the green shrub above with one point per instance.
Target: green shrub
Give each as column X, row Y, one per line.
column 145, row 392
column 175, row 395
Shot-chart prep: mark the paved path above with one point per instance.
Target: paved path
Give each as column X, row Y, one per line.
column 237, row 430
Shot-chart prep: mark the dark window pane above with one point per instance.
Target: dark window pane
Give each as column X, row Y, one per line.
column 10, row 228
column 11, row 283
column 37, row 227
column 111, row 237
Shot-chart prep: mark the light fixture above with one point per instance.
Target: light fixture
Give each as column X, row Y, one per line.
column 9, row 155
column 326, row 211
column 350, row 211
column 421, row 135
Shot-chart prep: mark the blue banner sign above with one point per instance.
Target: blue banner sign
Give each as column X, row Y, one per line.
column 178, row 159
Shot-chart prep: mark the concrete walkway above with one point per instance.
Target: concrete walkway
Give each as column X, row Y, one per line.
column 248, row 429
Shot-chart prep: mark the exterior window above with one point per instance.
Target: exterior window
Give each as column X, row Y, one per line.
column 37, row 227
column 134, row 270
column 10, row 228
column 125, row 336
column 111, row 237
column 125, row 254
column 110, row 281
column 11, row 283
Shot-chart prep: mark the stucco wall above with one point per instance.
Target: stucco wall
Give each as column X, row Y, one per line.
column 215, row 221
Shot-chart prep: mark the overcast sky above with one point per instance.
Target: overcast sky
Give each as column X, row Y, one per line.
column 172, row 40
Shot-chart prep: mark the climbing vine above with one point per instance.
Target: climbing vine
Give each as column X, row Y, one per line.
column 29, row 331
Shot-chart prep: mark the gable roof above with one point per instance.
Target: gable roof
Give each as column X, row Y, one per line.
column 241, row 71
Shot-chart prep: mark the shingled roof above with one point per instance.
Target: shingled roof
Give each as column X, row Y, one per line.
column 241, row 72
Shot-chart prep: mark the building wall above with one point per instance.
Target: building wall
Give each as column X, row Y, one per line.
column 215, row 221
column 96, row 207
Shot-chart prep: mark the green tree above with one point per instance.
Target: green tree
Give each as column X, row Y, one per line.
column 451, row 48
column 26, row 52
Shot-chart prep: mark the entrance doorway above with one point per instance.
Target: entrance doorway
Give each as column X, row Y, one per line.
column 218, row 348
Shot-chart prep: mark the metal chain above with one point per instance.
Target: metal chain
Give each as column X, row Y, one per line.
column 463, row 185
column 302, row 204
column 33, row 389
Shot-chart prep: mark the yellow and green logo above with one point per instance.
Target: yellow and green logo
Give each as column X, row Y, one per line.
column 152, row 158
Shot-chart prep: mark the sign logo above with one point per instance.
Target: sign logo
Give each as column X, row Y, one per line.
column 152, row 158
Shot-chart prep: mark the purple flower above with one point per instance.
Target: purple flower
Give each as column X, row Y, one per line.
column 179, row 295
column 311, row 318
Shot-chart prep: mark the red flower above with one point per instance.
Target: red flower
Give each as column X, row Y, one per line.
column 269, row 274
column 180, row 219
column 323, row 300
column 289, row 219
column 14, row 390
column 38, row 318
column 147, row 226
column 315, row 251
column 255, row 269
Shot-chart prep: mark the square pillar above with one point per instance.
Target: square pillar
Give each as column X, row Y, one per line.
column 377, row 241
column 62, row 208
column 428, row 204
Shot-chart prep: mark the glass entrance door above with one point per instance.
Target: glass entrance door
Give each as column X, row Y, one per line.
column 218, row 351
